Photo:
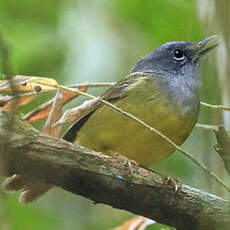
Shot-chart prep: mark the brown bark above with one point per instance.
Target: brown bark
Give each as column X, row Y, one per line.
column 106, row 180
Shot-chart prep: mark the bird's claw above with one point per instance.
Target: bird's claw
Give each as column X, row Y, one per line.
column 173, row 182
column 131, row 164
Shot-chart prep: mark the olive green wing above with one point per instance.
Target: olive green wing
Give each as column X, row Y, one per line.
column 116, row 92
column 119, row 91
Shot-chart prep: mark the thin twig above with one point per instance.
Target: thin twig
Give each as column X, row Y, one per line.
column 210, row 127
column 207, row 127
column 96, row 84
column 220, row 107
column 107, row 84
column 207, row 170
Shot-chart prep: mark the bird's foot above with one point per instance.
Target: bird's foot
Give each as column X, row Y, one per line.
column 174, row 182
column 131, row 164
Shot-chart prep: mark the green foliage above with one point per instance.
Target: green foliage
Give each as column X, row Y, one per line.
column 29, row 217
column 41, row 44
column 159, row 227
column 30, row 27
column 161, row 21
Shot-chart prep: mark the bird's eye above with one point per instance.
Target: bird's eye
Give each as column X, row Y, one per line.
column 178, row 55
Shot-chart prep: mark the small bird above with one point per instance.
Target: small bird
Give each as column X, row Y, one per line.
column 162, row 90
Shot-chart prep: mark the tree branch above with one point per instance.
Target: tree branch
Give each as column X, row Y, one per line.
column 223, row 146
column 106, row 180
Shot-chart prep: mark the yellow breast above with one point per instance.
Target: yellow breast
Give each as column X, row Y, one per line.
column 107, row 129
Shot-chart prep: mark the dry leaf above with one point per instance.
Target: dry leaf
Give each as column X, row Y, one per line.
column 9, row 102
column 14, row 183
column 43, row 110
column 136, row 223
column 28, row 84
column 72, row 115
column 4, row 100
column 54, row 116
column 32, row 189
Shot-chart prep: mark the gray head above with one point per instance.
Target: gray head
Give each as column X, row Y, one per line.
column 176, row 58
column 177, row 68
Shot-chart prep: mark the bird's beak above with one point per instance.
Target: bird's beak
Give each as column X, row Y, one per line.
column 207, row 44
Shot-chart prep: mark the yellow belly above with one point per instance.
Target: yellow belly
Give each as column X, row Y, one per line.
column 107, row 129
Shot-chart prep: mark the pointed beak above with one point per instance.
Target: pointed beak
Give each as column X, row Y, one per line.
column 207, row 44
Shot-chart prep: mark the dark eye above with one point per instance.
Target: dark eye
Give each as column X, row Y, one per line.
column 178, row 55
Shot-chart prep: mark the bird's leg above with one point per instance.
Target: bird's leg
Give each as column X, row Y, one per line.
column 131, row 164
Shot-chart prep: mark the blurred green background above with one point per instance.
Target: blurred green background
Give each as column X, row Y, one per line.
column 100, row 40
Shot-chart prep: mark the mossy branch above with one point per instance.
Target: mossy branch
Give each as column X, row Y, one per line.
column 106, row 180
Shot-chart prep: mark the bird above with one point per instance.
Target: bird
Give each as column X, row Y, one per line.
column 162, row 90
